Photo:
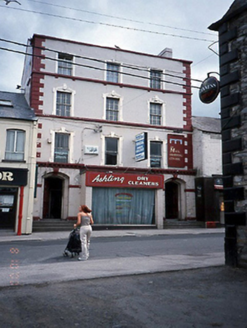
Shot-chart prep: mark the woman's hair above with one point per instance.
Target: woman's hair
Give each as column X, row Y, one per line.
column 85, row 209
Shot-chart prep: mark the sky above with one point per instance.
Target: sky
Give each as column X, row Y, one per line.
column 139, row 25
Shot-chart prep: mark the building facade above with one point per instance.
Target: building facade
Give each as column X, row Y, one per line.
column 114, row 132
column 18, row 133
column 232, row 30
column 207, row 154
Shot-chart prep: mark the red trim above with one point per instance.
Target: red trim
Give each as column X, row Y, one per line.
column 74, row 186
column 157, row 127
column 116, row 169
column 20, row 210
column 121, row 85
column 190, row 190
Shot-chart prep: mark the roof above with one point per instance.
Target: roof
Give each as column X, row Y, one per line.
column 237, row 8
column 207, row 124
column 14, row 106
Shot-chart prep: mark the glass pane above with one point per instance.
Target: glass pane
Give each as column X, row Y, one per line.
column 112, row 72
column 123, row 206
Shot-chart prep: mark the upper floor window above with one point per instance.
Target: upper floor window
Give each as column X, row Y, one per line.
column 112, row 72
column 155, row 153
column 61, row 151
column 63, row 103
column 15, row 144
column 111, row 151
column 155, row 79
column 155, row 113
column 65, row 64
column 112, row 109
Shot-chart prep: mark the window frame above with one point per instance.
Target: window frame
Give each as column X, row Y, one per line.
column 112, row 114
column 156, row 79
column 67, row 106
column 63, row 149
column 154, row 117
column 114, row 152
column 13, row 153
column 113, row 75
column 65, row 66
column 156, row 156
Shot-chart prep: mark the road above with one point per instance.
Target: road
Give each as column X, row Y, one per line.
column 33, row 252
column 49, row 290
column 29, row 262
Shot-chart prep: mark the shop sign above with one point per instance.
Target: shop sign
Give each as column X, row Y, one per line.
column 141, row 147
column 176, row 151
column 209, row 90
column 10, row 176
column 101, row 179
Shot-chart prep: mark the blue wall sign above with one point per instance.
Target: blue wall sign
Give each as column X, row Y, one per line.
column 141, row 147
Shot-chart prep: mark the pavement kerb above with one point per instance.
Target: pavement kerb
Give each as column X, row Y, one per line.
column 6, row 236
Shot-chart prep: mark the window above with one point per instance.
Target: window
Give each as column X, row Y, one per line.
column 112, row 105
column 65, row 64
column 15, row 145
column 111, row 151
column 112, row 74
column 155, row 154
column 61, row 153
column 63, row 104
column 155, row 79
column 155, row 113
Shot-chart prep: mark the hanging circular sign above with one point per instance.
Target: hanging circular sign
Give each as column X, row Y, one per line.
column 209, row 90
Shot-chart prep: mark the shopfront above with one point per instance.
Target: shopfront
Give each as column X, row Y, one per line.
column 12, row 182
column 124, row 199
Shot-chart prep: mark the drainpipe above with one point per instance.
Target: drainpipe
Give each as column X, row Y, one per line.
column 20, row 211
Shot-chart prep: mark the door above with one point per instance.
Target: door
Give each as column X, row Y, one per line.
column 8, row 203
column 53, row 198
column 171, row 197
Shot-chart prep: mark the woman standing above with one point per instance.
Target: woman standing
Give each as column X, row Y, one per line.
column 84, row 220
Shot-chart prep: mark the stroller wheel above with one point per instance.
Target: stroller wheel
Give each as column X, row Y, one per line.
column 65, row 254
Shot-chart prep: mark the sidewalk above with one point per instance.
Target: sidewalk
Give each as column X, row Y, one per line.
column 6, row 236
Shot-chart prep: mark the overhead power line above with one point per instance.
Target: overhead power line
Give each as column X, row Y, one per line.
column 129, row 66
column 93, row 67
column 109, row 25
column 120, row 18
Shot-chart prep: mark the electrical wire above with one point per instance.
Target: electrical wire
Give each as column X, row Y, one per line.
column 139, row 68
column 109, row 25
column 120, row 18
column 93, row 67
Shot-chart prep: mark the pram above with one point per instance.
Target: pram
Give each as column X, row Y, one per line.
column 73, row 247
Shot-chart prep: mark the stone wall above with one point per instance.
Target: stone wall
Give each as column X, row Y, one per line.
column 232, row 30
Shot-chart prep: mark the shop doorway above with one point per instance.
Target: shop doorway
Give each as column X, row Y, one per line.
column 171, row 199
column 8, row 203
column 53, row 191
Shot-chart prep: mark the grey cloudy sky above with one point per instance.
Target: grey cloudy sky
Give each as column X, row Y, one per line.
column 139, row 25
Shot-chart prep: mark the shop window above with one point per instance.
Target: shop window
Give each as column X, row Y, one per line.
column 112, row 109
column 65, row 64
column 111, row 151
column 61, row 152
column 155, row 113
column 155, row 79
column 155, row 153
column 63, row 103
column 112, row 72
column 15, row 144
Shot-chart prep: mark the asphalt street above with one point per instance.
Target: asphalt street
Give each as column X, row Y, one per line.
column 13, row 272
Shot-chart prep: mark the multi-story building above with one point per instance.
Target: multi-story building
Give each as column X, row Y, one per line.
column 114, row 132
column 18, row 132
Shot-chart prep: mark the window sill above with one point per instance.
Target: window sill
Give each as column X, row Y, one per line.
column 12, row 161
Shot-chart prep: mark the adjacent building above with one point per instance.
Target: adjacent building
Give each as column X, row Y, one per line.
column 18, row 133
column 207, row 156
column 114, row 132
